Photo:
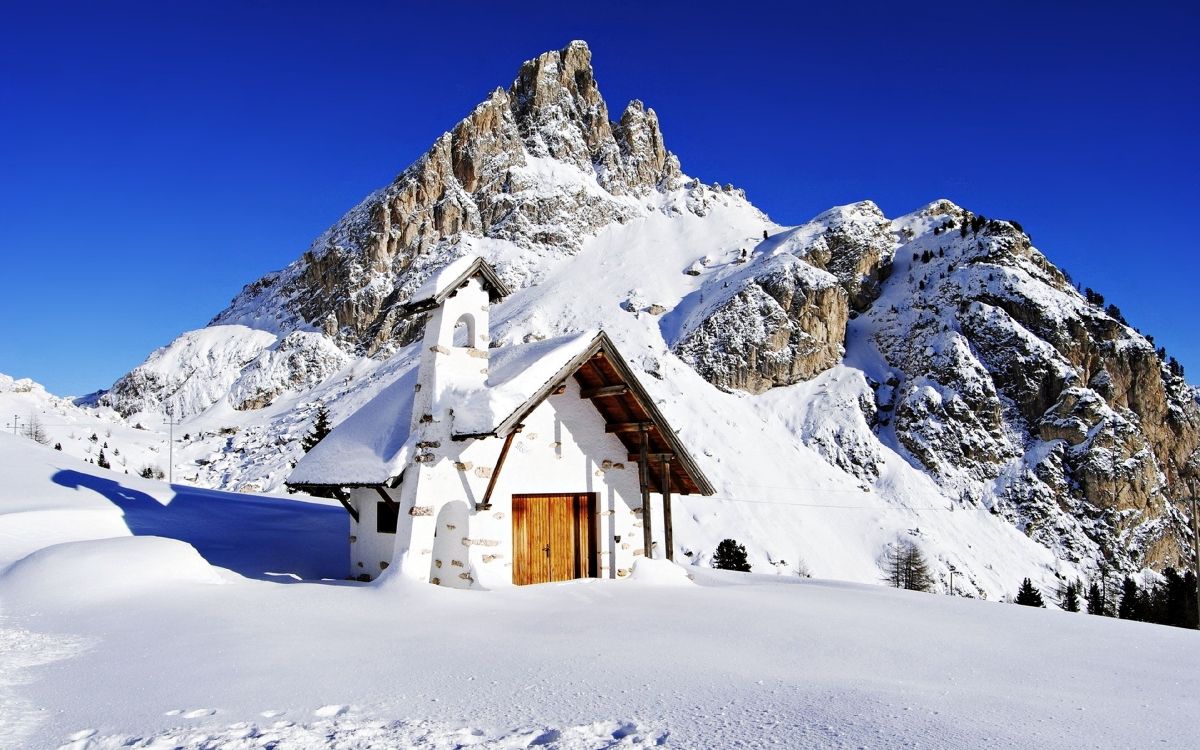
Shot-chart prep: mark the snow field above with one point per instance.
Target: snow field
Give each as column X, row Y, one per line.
column 724, row 660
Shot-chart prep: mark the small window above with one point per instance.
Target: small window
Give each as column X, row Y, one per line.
column 386, row 515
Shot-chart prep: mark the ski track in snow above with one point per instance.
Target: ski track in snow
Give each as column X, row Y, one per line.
column 344, row 733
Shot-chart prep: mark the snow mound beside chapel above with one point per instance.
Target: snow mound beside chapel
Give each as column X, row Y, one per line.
column 102, row 570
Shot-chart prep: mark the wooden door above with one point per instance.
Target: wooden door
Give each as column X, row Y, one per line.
column 552, row 537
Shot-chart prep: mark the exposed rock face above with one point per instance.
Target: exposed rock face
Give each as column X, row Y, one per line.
column 854, row 243
column 1000, row 379
column 1008, row 382
column 539, row 165
column 784, row 323
column 296, row 363
column 190, row 374
column 785, row 320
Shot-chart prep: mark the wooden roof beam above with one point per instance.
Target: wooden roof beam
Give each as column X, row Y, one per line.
column 652, row 456
column 628, row 427
column 604, row 391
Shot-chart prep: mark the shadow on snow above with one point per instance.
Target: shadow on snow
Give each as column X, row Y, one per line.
column 255, row 536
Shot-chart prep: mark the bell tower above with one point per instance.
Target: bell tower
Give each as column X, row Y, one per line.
column 454, row 350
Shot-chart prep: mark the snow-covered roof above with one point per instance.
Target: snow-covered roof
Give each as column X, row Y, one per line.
column 445, row 282
column 515, row 374
column 370, row 447
column 373, row 446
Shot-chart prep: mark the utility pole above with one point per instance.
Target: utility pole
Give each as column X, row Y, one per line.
column 171, row 449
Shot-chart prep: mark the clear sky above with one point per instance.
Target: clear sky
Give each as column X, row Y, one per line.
column 156, row 157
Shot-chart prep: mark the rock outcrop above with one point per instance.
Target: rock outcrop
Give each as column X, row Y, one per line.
column 298, row 362
column 999, row 377
column 1009, row 384
column 782, row 323
column 854, row 243
column 188, row 375
column 539, row 165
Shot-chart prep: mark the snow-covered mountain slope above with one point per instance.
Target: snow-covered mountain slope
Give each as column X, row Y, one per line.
column 845, row 382
column 85, row 433
column 179, row 622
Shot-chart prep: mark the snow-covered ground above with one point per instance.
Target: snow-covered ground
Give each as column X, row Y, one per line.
column 136, row 614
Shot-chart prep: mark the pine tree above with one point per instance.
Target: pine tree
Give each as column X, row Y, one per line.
column 1100, row 599
column 1070, row 597
column 731, row 556
column 320, row 429
column 101, row 461
column 1028, row 595
column 1131, row 606
column 1189, row 599
column 58, row 446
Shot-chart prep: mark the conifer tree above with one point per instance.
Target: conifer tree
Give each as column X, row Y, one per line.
column 1131, row 606
column 101, row 461
column 320, row 429
column 1028, row 595
column 1189, row 599
column 1098, row 602
column 731, row 556
column 1070, row 597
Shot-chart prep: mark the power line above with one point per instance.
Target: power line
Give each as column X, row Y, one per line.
column 793, row 489
column 836, row 507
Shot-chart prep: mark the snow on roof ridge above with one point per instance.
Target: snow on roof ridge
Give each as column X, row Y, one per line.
column 374, row 444
column 442, row 282
column 515, row 374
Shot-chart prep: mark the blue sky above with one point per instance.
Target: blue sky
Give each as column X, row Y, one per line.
column 156, row 157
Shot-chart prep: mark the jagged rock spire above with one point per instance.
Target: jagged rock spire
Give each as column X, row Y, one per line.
column 488, row 176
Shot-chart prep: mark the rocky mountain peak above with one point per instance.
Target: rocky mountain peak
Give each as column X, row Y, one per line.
column 560, row 113
column 557, row 78
column 539, row 165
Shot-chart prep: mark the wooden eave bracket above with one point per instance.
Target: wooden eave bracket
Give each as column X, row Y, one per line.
column 343, row 497
column 486, row 503
column 391, row 503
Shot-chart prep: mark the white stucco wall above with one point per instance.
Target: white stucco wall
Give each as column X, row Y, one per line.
column 370, row 551
column 562, row 449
